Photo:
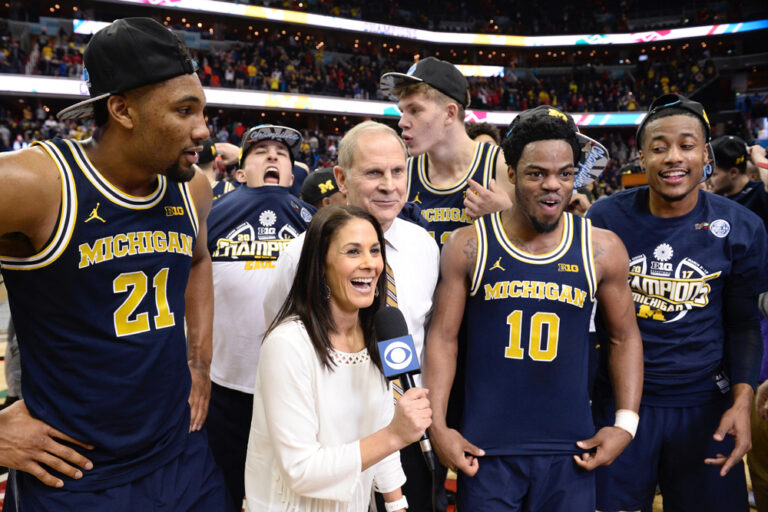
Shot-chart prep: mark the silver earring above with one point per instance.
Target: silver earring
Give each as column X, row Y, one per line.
column 327, row 292
column 376, row 292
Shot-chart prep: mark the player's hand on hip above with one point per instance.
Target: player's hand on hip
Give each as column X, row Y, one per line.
column 27, row 443
column 455, row 452
column 199, row 396
column 413, row 415
column 607, row 444
column 480, row 201
column 736, row 422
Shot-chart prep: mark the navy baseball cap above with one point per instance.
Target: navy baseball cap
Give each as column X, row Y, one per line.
column 730, row 151
column 319, row 184
column 129, row 53
column 666, row 101
column 593, row 157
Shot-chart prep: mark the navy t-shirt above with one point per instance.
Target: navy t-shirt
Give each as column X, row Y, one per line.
column 681, row 271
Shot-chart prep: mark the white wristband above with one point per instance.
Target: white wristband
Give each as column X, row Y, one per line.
column 396, row 505
column 627, row 420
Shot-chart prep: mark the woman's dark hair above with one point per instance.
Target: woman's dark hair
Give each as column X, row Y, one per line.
column 308, row 297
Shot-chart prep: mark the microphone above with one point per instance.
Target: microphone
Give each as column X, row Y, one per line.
column 399, row 360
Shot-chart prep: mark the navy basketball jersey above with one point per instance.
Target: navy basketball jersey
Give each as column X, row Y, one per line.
column 99, row 313
column 443, row 208
column 528, row 342
column 223, row 187
column 248, row 230
column 681, row 269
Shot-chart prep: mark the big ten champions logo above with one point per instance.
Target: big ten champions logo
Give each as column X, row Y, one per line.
column 665, row 291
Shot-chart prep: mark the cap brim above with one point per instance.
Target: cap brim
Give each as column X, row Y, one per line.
column 594, row 160
column 389, row 81
column 81, row 110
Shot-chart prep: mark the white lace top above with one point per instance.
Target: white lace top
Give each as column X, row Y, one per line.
column 304, row 445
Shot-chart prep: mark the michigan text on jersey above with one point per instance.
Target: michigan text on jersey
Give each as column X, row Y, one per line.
column 536, row 290
column 135, row 242
column 446, row 215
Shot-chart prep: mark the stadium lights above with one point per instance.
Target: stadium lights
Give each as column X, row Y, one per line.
column 318, row 20
column 14, row 85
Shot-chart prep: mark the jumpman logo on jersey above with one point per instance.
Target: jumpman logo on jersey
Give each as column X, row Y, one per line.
column 416, row 199
column 95, row 214
column 497, row 265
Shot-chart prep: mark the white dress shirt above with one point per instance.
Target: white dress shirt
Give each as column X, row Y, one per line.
column 415, row 261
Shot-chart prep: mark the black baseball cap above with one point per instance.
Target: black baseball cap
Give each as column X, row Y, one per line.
column 730, row 152
column 666, row 101
column 129, row 53
column 442, row 75
column 592, row 158
column 288, row 136
column 208, row 154
column 319, row 184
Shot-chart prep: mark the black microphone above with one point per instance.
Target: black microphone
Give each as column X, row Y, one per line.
column 399, row 360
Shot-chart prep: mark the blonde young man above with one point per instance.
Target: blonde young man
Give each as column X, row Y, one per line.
column 445, row 164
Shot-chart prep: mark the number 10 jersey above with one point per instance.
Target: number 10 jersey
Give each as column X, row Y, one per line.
column 527, row 343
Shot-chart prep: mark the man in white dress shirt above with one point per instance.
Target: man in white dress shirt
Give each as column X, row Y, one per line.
column 372, row 174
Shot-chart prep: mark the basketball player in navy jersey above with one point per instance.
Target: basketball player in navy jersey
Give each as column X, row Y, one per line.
column 526, row 278
column 99, row 255
column 697, row 264
column 445, row 164
column 248, row 229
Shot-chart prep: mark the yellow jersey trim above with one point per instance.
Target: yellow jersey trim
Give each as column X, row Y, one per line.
column 111, row 192
column 535, row 259
column 482, row 256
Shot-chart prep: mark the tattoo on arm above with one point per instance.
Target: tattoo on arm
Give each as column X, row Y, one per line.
column 598, row 249
column 470, row 250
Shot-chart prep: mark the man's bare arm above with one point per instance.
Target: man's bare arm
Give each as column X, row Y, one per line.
column 30, row 196
column 625, row 350
column 199, row 309
column 456, row 264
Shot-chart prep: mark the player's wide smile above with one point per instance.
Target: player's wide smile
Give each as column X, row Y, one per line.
column 674, row 176
column 550, row 204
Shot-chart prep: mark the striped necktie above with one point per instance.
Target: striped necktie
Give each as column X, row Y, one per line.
column 397, row 389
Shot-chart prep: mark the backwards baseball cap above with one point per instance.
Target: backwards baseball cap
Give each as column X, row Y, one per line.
column 129, row 53
column 666, row 101
column 730, row 152
column 288, row 136
column 592, row 158
column 441, row 75
column 208, row 154
column 318, row 185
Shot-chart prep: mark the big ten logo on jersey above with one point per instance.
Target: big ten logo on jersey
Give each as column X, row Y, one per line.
column 565, row 267
column 665, row 291
column 171, row 211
